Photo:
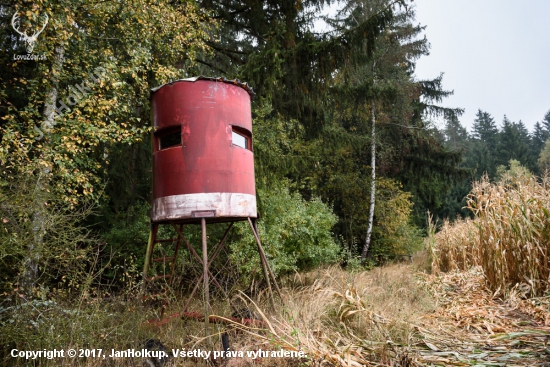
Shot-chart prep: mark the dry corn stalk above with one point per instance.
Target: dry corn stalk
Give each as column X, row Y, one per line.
column 509, row 236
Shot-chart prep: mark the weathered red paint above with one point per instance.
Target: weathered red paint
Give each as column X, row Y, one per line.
column 207, row 161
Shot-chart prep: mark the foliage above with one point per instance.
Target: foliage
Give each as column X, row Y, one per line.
column 272, row 45
column 544, row 158
column 278, row 145
column 394, row 234
column 456, row 136
column 514, row 170
column 101, row 60
column 125, row 243
column 488, row 150
column 514, row 143
column 62, row 118
column 295, row 234
column 63, row 255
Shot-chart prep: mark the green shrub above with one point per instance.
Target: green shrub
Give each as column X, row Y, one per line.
column 393, row 235
column 126, row 243
column 39, row 232
column 295, row 233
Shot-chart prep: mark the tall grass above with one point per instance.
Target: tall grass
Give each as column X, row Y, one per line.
column 509, row 236
column 350, row 319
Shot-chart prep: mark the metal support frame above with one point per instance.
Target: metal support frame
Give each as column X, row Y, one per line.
column 149, row 259
column 206, row 277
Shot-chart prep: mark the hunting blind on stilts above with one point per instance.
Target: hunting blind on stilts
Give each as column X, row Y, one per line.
column 203, row 173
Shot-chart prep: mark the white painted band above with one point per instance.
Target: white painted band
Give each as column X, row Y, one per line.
column 222, row 204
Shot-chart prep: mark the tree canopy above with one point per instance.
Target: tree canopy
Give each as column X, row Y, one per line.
column 79, row 123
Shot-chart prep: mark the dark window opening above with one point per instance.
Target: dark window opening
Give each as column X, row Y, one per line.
column 168, row 139
column 241, row 138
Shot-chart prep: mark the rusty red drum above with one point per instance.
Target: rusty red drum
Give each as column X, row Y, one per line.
column 203, row 162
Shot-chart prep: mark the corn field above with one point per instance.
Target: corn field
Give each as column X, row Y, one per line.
column 509, row 237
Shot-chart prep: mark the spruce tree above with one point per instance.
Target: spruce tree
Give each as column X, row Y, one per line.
column 514, row 143
column 546, row 122
column 456, row 136
column 540, row 135
column 484, row 144
column 485, row 129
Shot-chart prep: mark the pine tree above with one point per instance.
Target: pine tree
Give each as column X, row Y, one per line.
column 482, row 157
column 403, row 138
column 546, row 122
column 272, row 45
column 485, row 129
column 456, row 136
column 514, row 143
column 539, row 137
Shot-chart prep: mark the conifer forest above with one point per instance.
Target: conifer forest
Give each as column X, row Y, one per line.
column 398, row 237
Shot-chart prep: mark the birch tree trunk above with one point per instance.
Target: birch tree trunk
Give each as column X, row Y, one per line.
column 372, row 187
column 366, row 247
column 29, row 275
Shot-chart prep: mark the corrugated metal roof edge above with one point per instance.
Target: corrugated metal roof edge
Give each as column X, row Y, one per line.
column 237, row 82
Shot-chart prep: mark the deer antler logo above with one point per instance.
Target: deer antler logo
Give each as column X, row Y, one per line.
column 30, row 40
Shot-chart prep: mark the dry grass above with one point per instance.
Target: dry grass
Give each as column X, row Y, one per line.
column 395, row 315
column 509, row 237
column 347, row 319
column 386, row 317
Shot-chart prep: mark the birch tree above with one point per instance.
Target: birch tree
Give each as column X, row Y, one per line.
column 84, row 90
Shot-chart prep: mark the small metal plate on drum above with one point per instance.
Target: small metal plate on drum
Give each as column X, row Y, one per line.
column 203, row 214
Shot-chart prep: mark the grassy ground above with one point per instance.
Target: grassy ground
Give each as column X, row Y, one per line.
column 397, row 315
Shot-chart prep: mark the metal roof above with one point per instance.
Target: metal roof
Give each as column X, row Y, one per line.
column 237, row 82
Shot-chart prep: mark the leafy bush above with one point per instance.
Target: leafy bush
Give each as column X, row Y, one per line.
column 43, row 242
column 295, row 233
column 393, row 234
column 126, row 242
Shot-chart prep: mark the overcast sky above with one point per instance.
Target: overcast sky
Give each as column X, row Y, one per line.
column 495, row 55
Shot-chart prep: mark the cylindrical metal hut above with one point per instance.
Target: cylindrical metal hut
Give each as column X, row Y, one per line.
column 203, row 165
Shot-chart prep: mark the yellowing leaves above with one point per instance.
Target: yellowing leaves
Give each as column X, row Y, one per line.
column 136, row 44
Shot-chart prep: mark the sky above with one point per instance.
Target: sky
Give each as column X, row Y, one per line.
column 495, row 55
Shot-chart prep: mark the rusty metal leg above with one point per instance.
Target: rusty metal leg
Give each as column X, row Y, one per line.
column 176, row 251
column 255, row 222
column 185, row 308
column 149, row 253
column 221, row 243
column 193, row 253
column 212, row 258
column 264, row 263
column 205, row 280
column 171, row 277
